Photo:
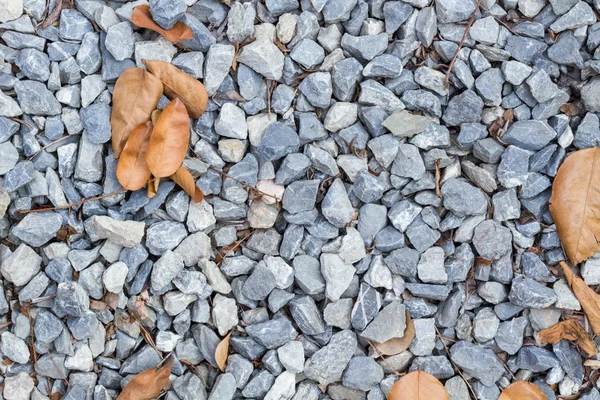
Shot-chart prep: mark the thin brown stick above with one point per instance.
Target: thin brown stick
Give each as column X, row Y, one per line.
column 246, row 185
column 462, row 42
column 5, row 325
column 438, row 177
column 78, row 203
column 27, row 124
column 50, row 144
column 454, row 365
column 235, row 247
column 63, row 377
column 383, row 358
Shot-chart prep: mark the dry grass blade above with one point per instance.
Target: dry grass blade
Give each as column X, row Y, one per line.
column 575, row 204
column 135, row 96
column 132, row 171
column 148, row 384
column 178, row 84
column 589, row 300
column 521, row 390
column 418, row 385
column 142, row 18
column 169, row 141
column 222, row 352
column 398, row 345
column 186, row 181
column 569, row 330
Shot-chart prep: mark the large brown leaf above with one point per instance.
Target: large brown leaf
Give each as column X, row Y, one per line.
column 521, row 390
column 169, row 141
column 178, row 84
column 148, row 384
column 132, row 171
column 142, row 18
column 589, row 300
column 222, row 352
column 569, row 330
column 398, row 345
column 418, row 385
column 186, row 181
column 575, row 204
column 135, row 96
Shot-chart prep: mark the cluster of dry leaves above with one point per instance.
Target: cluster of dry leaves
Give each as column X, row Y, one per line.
column 152, row 144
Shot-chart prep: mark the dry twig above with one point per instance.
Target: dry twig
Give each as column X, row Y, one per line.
column 462, row 42
column 78, row 203
column 454, row 365
column 244, row 184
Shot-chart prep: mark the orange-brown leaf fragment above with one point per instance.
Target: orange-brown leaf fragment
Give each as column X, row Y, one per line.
column 222, row 352
column 398, row 345
column 169, row 141
column 569, row 330
column 132, row 171
column 575, row 204
column 178, row 84
column 148, row 384
column 589, row 300
column 179, row 32
column 418, row 385
column 186, row 181
column 521, row 390
column 135, row 96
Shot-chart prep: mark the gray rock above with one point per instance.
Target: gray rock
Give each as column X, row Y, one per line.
column 37, row 229
column 492, row 240
column 514, row 167
column 165, row 270
column 263, row 57
column 462, row 198
column 71, row 299
column 96, row 120
column 307, row 316
column 216, row 68
column 365, row 48
column 317, row 88
column 35, row 99
column 528, row 293
column 477, row 361
column 336, row 206
column 463, row 108
column 120, row 41
column 581, row 14
column 273, row 333
column 510, row 335
column 384, row 327
column 362, row 373
column 454, row 10
column 167, row 13
column 327, row 364
column 278, row 141
column 73, row 25
column 529, row 135
column 34, row 64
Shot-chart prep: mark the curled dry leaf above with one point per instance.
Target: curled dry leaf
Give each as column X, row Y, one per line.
column 569, row 330
column 169, row 141
column 178, row 84
column 222, row 352
column 589, row 300
column 575, row 204
column 179, row 32
column 185, row 180
column 398, row 345
column 135, row 96
column 418, row 385
column 154, row 116
column 132, row 171
column 148, row 384
column 521, row 390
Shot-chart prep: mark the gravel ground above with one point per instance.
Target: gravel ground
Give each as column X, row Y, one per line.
column 401, row 190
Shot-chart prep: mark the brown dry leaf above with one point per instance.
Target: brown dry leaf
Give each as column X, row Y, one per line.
column 186, row 181
column 570, row 109
column 54, row 15
column 169, row 141
column 142, row 18
column 222, row 352
column 398, row 345
column 418, row 385
column 178, row 84
column 135, row 96
column 569, row 330
column 521, row 390
column 575, row 204
column 148, row 384
column 589, row 300
column 132, row 171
